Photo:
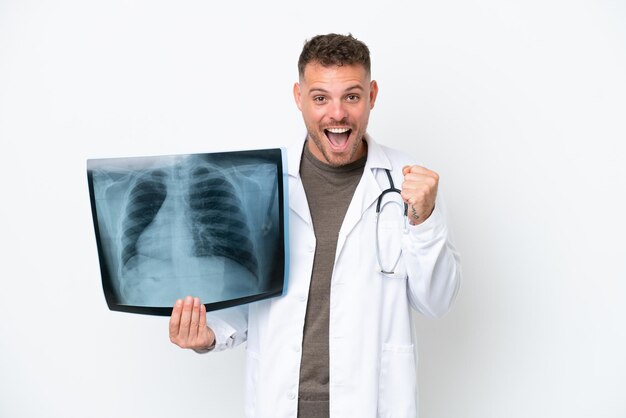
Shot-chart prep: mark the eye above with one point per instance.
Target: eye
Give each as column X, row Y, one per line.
column 319, row 99
column 352, row 98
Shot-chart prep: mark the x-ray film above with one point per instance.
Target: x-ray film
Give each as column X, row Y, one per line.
column 208, row 225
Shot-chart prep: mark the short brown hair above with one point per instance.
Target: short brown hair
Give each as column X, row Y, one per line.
column 333, row 49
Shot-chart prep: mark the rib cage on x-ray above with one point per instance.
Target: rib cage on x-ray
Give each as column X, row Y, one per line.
column 217, row 221
column 219, row 224
column 195, row 223
column 144, row 202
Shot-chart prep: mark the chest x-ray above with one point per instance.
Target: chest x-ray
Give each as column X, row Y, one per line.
column 208, row 225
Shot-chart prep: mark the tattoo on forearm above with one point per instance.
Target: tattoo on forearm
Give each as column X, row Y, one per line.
column 414, row 213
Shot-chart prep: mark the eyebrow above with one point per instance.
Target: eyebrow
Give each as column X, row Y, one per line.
column 353, row 87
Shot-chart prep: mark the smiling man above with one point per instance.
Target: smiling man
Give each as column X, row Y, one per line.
column 335, row 101
column 340, row 342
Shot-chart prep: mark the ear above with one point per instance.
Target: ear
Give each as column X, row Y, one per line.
column 373, row 93
column 297, row 95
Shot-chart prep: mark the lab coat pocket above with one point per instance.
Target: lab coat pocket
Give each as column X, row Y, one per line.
column 398, row 382
column 252, row 365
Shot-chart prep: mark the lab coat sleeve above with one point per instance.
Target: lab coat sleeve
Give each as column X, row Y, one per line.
column 432, row 264
column 230, row 327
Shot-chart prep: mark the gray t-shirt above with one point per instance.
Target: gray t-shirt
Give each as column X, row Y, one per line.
column 329, row 191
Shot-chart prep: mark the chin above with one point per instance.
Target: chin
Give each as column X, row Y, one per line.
column 338, row 159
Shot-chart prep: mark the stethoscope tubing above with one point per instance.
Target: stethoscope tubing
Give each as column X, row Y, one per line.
column 391, row 189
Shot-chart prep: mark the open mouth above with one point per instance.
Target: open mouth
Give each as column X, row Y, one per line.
column 338, row 137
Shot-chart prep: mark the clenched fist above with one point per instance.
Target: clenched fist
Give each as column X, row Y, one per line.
column 419, row 191
column 188, row 328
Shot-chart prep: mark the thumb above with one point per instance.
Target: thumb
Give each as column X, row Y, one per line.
column 406, row 169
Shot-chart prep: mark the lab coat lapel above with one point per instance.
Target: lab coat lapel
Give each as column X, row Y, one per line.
column 297, row 197
column 367, row 191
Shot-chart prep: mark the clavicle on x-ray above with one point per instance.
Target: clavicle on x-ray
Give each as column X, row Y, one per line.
column 208, row 225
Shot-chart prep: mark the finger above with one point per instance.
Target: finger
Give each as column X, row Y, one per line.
column 195, row 319
column 406, row 169
column 203, row 327
column 185, row 320
column 175, row 318
column 202, row 324
column 421, row 185
column 419, row 182
column 416, row 169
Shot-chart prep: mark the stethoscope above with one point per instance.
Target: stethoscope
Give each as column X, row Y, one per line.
column 379, row 207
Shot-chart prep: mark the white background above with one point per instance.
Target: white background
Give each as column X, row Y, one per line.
column 519, row 105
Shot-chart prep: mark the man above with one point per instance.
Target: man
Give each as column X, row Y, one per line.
column 340, row 342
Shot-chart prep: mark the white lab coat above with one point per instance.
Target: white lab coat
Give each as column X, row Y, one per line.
column 371, row 339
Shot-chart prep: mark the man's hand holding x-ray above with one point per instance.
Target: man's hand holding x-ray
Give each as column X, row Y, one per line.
column 188, row 328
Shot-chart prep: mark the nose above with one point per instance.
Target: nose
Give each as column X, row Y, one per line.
column 337, row 111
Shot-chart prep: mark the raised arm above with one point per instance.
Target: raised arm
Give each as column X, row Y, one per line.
column 432, row 262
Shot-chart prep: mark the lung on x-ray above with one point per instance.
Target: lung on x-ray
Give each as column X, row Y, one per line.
column 209, row 225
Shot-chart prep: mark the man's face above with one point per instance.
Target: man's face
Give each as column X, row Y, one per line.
column 335, row 103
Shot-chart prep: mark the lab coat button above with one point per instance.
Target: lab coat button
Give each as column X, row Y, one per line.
column 311, row 248
column 296, row 348
column 291, row 395
column 302, row 298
